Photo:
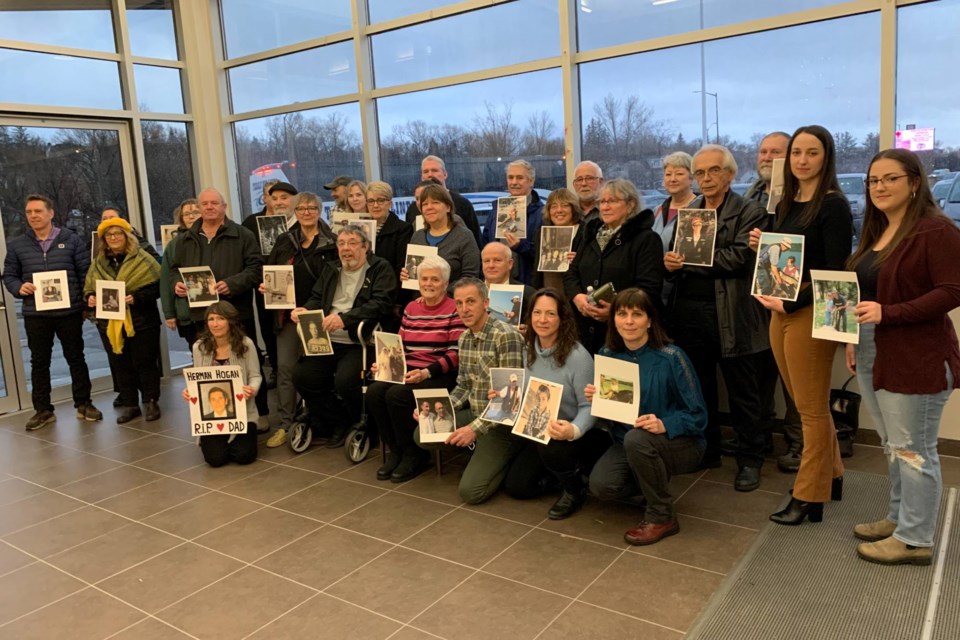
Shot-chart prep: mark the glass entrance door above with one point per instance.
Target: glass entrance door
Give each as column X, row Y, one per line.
column 82, row 167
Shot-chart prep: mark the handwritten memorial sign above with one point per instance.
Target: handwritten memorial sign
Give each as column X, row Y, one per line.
column 217, row 405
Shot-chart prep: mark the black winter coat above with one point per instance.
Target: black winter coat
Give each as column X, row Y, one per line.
column 632, row 258
column 69, row 252
column 374, row 301
column 308, row 263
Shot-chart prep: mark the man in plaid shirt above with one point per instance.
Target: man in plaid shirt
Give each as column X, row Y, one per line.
column 487, row 343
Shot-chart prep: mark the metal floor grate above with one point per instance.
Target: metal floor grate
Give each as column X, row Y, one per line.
column 807, row 583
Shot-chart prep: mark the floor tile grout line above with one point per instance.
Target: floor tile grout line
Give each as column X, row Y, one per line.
column 628, row 615
column 272, row 620
column 682, row 564
column 149, row 617
column 720, row 522
column 726, row 484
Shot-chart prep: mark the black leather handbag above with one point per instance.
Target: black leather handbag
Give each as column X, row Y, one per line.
column 845, row 408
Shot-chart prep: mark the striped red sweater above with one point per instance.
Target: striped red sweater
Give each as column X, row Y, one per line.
column 430, row 336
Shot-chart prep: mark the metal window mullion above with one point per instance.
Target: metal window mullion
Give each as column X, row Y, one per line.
column 73, row 52
column 432, row 14
column 296, row 47
column 888, row 73
column 363, row 60
column 295, row 107
column 570, row 79
column 157, row 62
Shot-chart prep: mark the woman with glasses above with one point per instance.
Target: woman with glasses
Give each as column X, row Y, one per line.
column 908, row 360
column 451, row 237
column 308, row 245
column 678, row 183
column 176, row 310
column 393, row 234
column 812, row 206
column 134, row 342
column 619, row 248
column 562, row 210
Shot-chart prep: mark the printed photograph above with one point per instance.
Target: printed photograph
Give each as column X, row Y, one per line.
column 52, row 292
column 555, row 244
column 167, row 233
column 201, row 286
column 511, row 217
column 616, row 390
column 541, row 404
column 111, row 299
column 415, row 257
column 776, row 184
column 505, row 407
column 271, row 228
column 280, row 292
column 216, row 400
column 435, row 415
column 696, row 236
column 391, row 365
column 835, row 295
column 506, row 303
column 779, row 266
column 315, row 341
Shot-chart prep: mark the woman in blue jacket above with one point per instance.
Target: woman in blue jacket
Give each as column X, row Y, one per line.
column 667, row 436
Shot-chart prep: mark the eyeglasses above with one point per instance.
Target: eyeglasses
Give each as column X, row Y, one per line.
column 349, row 243
column 586, row 179
column 888, row 181
column 114, row 234
column 610, row 201
column 378, row 201
column 713, row 171
column 307, row 209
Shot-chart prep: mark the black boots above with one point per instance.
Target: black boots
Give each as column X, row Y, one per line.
column 797, row 511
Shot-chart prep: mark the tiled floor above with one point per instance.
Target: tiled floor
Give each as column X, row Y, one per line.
column 122, row 532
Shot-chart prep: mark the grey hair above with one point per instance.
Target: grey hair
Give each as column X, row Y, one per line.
column 626, row 190
column 729, row 162
column 470, row 281
column 437, row 159
column 306, row 197
column 680, row 160
column 381, row 189
column 526, row 165
column 356, row 230
column 593, row 165
column 438, row 263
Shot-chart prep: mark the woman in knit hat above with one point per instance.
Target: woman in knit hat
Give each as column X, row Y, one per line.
column 135, row 340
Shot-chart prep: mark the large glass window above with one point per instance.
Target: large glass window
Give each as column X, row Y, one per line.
column 158, row 89
column 381, row 10
column 43, row 78
column 166, row 150
column 501, row 35
column 298, row 77
column 477, row 129
column 251, row 26
column 604, row 23
column 87, row 26
column 150, row 23
column 628, row 131
column 928, row 95
column 305, row 148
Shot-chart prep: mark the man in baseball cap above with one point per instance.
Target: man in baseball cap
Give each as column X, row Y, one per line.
column 338, row 187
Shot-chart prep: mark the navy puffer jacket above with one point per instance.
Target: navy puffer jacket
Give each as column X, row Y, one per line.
column 68, row 252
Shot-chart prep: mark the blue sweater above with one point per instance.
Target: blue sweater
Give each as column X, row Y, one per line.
column 669, row 389
column 575, row 374
column 68, row 252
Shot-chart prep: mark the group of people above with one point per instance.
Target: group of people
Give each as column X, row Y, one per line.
column 678, row 320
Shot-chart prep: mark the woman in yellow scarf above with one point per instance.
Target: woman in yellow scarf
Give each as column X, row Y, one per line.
column 134, row 342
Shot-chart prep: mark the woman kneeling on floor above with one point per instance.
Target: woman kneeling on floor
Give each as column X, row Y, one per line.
column 223, row 343
column 667, row 436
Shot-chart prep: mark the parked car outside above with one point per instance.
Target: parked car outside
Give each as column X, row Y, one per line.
column 952, row 205
column 942, row 189
column 856, row 192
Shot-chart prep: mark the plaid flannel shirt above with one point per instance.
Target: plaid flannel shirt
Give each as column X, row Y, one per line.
column 497, row 344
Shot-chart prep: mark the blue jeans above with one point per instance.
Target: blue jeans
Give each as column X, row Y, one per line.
column 908, row 425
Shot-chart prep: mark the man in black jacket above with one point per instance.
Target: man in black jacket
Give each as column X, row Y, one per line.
column 362, row 288
column 433, row 167
column 46, row 247
column 716, row 321
column 233, row 254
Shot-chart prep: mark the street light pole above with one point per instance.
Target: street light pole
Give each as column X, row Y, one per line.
column 716, row 109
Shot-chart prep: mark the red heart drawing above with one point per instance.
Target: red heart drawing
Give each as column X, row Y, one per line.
column 239, row 396
column 220, row 427
column 193, row 400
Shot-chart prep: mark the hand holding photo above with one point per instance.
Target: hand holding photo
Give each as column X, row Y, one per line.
column 555, row 244
column 541, row 404
column 696, row 236
column 53, row 291
column 201, row 286
column 436, row 418
column 391, row 363
column 505, row 407
column 111, row 299
column 415, row 256
column 511, row 217
column 278, row 281
column 779, row 266
column 315, row 341
column 506, row 303
column 617, row 394
column 835, row 295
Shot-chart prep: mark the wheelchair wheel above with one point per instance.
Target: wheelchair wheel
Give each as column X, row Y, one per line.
column 300, row 437
column 357, row 445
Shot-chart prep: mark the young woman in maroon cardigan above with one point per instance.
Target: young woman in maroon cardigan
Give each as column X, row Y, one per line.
column 908, row 360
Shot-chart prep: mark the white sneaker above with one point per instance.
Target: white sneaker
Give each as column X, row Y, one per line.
column 278, row 438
